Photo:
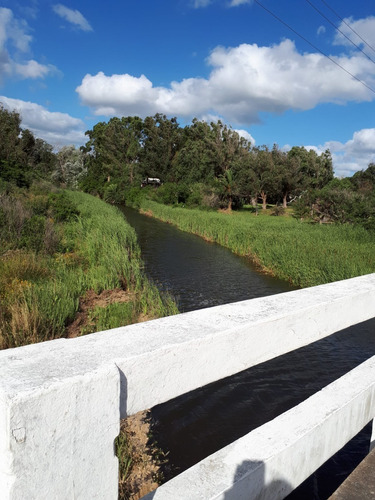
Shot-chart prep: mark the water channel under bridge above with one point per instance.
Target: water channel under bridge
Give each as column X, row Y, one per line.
column 197, row 424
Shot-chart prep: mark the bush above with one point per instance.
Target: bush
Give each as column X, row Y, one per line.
column 135, row 195
column 277, row 210
column 39, row 204
column 32, row 236
column 63, row 210
column 14, row 173
column 13, row 215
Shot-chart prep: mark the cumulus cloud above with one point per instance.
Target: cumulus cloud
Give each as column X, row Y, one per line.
column 246, row 135
column 72, row 16
column 365, row 29
column 355, row 154
column 54, row 127
column 14, row 44
column 351, row 156
column 244, row 81
column 321, row 30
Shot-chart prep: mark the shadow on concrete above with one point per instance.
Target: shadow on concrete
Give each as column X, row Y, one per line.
column 249, row 484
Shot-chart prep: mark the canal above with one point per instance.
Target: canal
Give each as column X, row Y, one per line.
column 189, row 428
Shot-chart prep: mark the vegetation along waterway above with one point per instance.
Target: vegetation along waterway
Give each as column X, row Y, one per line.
column 202, row 274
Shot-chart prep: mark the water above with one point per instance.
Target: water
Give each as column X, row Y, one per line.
column 194, row 425
column 197, row 273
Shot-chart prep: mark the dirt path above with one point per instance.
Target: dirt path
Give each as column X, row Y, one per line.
column 91, row 300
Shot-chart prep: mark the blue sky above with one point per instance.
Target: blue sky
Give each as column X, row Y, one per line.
column 66, row 66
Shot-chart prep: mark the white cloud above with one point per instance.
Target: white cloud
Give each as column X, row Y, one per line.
column 13, row 30
column 245, row 134
column 321, row 30
column 54, row 127
column 32, row 69
column 72, row 16
column 244, row 81
column 14, row 42
column 353, row 155
column 235, row 3
column 364, row 27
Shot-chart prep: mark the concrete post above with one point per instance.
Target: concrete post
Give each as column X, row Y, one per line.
column 57, row 441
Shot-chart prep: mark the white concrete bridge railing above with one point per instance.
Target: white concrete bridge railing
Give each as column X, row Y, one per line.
column 61, row 401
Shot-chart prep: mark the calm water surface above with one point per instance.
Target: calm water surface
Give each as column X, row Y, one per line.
column 200, row 274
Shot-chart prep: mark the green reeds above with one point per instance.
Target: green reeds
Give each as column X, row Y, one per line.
column 40, row 293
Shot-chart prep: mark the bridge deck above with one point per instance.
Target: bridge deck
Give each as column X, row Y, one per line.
column 361, row 482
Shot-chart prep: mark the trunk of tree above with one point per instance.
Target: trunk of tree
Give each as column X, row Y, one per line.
column 230, row 204
column 263, row 195
column 284, row 200
column 253, row 201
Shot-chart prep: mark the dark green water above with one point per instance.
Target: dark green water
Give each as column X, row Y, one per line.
column 191, row 427
column 197, row 273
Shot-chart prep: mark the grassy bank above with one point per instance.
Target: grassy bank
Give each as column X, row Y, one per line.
column 52, row 262
column 304, row 254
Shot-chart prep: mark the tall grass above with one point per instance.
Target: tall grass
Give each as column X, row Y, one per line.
column 39, row 293
column 304, row 254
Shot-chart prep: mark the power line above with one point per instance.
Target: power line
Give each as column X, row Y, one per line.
column 313, row 46
column 338, row 29
column 348, row 25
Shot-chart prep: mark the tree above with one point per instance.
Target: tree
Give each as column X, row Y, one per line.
column 22, row 157
column 364, row 180
column 70, row 166
column 113, row 152
column 10, row 130
column 194, row 161
column 228, row 186
column 161, row 141
column 290, row 176
column 316, row 170
column 266, row 180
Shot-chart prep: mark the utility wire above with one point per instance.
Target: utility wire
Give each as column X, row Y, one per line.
column 348, row 25
column 313, row 46
column 338, row 29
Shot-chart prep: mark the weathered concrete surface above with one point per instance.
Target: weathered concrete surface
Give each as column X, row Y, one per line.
column 57, row 397
column 360, row 485
column 271, row 461
column 56, row 441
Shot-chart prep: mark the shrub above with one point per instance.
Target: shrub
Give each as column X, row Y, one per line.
column 39, row 204
column 134, row 196
column 63, row 210
column 277, row 210
column 13, row 215
column 32, row 235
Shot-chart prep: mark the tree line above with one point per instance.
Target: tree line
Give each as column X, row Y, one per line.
column 201, row 161
column 200, row 164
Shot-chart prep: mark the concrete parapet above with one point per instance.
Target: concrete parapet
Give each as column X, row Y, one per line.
column 60, row 400
column 271, row 461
